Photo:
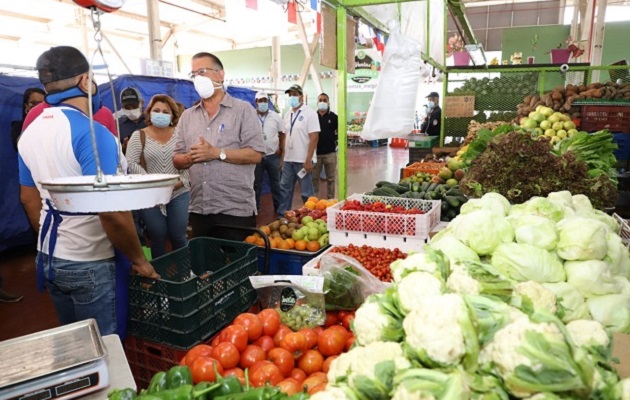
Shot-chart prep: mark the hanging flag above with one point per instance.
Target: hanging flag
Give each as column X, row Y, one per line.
column 314, row 4
column 253, row 4
column 378, row 42
column 291, row 12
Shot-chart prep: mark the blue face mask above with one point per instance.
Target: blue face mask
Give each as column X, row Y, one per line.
column 263, row 107
column 430, row 104
column 57, row 97
column 160, row 120
column 322, row 106
column 294, row 101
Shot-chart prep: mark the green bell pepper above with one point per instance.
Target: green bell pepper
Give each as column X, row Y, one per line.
column 122, row 394
column 262, row 393
column 158, row 383
column 184, row 392
column 178, row 376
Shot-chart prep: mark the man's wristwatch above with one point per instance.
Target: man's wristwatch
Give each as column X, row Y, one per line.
column 222, row 155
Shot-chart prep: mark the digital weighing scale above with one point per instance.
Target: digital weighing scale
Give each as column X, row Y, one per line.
column 60, row 363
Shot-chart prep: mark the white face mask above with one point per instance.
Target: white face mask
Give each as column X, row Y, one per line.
column 132, row 114
column 205, row 87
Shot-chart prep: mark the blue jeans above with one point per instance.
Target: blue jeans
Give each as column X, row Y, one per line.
column 287, row 185
column 271, row 164
column 82, row 290
column 173, row 226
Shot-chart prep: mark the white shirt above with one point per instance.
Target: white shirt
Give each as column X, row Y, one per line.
column 272, row 125
column 304, row 121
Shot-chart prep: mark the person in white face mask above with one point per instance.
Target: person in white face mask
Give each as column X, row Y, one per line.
column 326, row 146
column 220, row 141
column 132, row 118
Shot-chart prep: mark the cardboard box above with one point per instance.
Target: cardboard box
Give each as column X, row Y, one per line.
column 621, row 350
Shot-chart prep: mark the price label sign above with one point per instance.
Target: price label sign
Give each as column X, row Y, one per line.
column 459, row 106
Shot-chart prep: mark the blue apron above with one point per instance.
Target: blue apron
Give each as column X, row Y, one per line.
column 51, row 222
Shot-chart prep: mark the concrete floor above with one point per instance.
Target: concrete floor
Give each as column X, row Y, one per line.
column 366, row 166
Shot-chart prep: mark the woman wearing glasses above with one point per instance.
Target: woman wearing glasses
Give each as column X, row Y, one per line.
column 31, row 98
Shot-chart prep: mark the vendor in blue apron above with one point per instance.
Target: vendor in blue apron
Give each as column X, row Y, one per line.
column 76, row 260
column 433, row 121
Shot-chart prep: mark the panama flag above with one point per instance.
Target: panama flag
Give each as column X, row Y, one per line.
column 316, row 5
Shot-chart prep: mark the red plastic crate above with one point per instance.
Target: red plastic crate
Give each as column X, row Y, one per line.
column 598, row 117
column 146, row 358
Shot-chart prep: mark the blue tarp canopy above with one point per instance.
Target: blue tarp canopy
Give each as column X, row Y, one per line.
column 14, row 227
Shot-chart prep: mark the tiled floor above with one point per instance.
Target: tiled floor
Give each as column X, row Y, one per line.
column 34, row 313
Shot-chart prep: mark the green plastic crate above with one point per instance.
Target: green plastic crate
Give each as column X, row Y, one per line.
column 425, row 142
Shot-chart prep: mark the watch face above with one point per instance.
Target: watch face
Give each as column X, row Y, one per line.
column 222, row 155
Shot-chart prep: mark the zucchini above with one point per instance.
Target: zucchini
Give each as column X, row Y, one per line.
column 451, row 213
column 424, row 186
column 462, row 199
column 381, row 183
column 401, row 189
column 415, row 187
column 445, row 207
column 452, row 201
column 454, row 192
column 415, row 195
column 389, row 191
column 432, row 187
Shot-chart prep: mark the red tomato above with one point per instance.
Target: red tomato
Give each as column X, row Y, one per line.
column 312, row 381
column 201, row 350
column 289, row 387
column 235, row 334
column 331, row 319
column 251, row 355
column 203, row 369
column 318, row 388
column 268, row 373
column 318, row 329
column 298, row 375
column 282, row 332
column 311, row 337
column 283, row 359
column 251, row 323
column 265, row 342
column 341, row 330
column 235, row 372
column 227, row 354
column 294, row 342
column 347, row 320
column 311, row 362
column 326, row 364
column 331, row 342
column 216, row 340
column 342, row 314
column 349, row 344
column 270, row 320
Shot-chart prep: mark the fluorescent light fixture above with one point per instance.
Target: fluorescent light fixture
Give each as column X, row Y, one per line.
column 476, row 54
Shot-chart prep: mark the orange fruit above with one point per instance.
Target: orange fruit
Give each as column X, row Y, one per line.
column 266, row 230
column 250, row 239
column 310, row 204
column 291, row 242
column 312, row 245
column 330, row 203
column 260, row 242
column 272, row 244
column 284, row 245
column 313, row 199
column 321, row 205
column 300, row 245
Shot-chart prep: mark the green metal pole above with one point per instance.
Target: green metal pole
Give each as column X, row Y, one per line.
column 342, row 86
column 428, row 21
column 445, row 82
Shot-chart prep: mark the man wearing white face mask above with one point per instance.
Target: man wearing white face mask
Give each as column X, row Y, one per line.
column 301, row 127
column 132, row 119
column 326, row 146
column 220, row 141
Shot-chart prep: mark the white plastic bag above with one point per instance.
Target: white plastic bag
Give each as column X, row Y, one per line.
column 393, row 107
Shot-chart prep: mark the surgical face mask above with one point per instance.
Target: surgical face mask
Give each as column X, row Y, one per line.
column 430, row 104
column 134, row 114
column 57, row 97
column 294, row 101
column 205, row 87
column 322, row 106
column 263, row 107
column 160, row 120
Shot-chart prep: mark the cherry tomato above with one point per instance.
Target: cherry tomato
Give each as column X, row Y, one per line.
column 318, row 388
column 311, row 337
column 251, row 355
column 270, row 320
column 265, row 342
column 237, row 335
column 349, row 344
column 311, row 362
column 201, row 350
column 282, row 332
column 289, row 387
column 283, row 359
column 331, row 342
column 227, row 354
column 298, row 375
column 235, row 372
column 294, row 342
column 326, row 364
column 341, row 330
column 251, row 323
column 268, row 373
column 347, row 320
column 331, row 319
column 203, row 369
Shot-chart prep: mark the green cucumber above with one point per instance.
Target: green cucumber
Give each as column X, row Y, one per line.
column 424, row 187
column 452, row 201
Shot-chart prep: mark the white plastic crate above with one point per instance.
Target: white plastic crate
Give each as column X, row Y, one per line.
column 625, row 229
column 407, row 232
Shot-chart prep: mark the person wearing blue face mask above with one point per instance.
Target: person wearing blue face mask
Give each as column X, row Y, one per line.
column 273, row 127
column 150, row 151
column 433, row 121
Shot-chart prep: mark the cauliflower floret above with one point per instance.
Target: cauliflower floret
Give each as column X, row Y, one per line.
column 331, row 393
column 461, row 282
column 434, row 327
column 625, row 389
column 402, row 393
column 415, row 288
column 542, row 298
column 588, row 333
column 430, row 261
column 370, row 323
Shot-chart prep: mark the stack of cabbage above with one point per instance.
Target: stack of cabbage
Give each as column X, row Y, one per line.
column 505, row 303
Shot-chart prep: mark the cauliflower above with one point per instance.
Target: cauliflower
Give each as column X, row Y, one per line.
column 490, row 315
column 544, row 396
column 439, row 332
column 415, row 288
column 541, row 298
column 373, row 323
column 430, row 384
column 477, row 278
column 459, row 281
column 570, row 302
column 431, row 261
column 333, row 393
column 624, row 389
column 369, row 370
column 590, row 335
column 532, row 357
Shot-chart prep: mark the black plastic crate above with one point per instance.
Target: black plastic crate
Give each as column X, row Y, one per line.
column 157, row 326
